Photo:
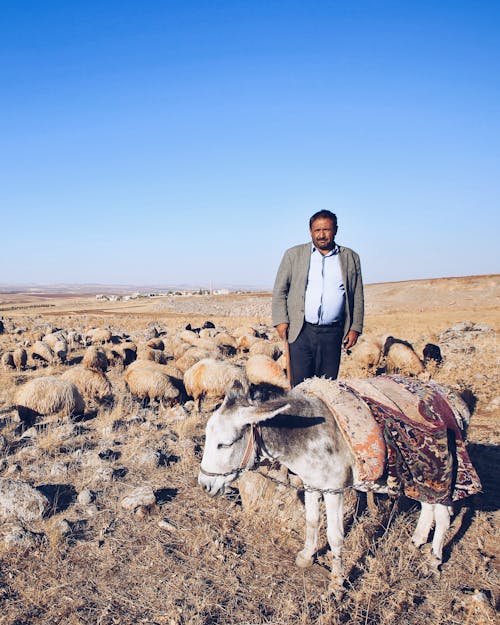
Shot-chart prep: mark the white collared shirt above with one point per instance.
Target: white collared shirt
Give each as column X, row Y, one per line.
column 325, row 291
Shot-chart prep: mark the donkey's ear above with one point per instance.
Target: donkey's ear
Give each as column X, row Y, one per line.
column 267, row 410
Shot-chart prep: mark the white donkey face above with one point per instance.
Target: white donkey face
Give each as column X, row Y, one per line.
column 224, row 449
column 226, row 437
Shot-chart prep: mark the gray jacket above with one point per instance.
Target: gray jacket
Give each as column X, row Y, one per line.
column 290, row 289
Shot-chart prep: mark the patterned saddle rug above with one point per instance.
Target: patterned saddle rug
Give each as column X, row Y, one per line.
column 404, row 431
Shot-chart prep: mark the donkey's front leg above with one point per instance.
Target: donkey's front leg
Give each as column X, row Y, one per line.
column 305, row 557
column 335, row 532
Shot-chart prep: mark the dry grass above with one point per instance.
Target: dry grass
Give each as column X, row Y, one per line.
column 193, row 560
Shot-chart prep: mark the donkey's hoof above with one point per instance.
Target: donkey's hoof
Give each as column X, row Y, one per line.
column 336, row 590
column 303, row 559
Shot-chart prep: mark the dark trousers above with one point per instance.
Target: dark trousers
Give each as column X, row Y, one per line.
column 316, row 352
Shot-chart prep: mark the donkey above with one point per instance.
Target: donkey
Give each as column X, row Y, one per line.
column 298, row 430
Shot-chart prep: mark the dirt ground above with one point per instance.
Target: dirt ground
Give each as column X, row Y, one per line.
column 190, row 559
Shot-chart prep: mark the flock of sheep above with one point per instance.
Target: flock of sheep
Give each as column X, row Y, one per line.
column 170, row 367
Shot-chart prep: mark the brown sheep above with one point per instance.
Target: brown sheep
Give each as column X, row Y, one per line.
column 401, row 358
column 20, row 358
column 92, row 384
column 53, row 338
column 262, row 369
column 210, row 378
column 123, row 354
column 8, row 360
column 148, row 382
column 48, row 395
column 367, row 353
column 95, row 359
column 98, row 336
column 268, row 348
column 60, row 350
column 151, row 354
column 190, row 357
column 156, row 343
column 42, row 351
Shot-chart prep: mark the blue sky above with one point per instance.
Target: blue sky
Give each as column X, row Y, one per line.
column 189, row 142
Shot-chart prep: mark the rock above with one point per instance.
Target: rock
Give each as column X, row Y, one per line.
column 142, row 496
column 85, row 497
column 19, row 535
column 103, row 474
column 62, row 528
column 59, row 470
column 149, row 458
column 21, row 502
column 91, row 510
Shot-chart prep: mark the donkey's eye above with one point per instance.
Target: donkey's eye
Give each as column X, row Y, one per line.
column 223, row 445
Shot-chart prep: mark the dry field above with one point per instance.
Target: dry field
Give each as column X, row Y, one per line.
column 189, row 559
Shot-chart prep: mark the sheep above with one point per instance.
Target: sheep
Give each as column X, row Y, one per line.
column 226, row 343
column 74, row 339
column 124, row 353
column 367, row 353
column 53, row 338
column 208, row 333
column 174, row 346
column 266, row 347
column 209, row 378
column 8, row 360
column 432, row 352
column 48, row 395
column 156, row 343
column 189, row 336
column 34, row 336
column 261, row 369
column 42, row 351
column 60, row 349
column 246, row 341
column 98, row 336
column 400, row 358
column 92, row 384
column 149, row 383
column 153, row 355
column 95, row 359
column 243, row 331
column 209, row 344
column 190, row 357
column 20, row 357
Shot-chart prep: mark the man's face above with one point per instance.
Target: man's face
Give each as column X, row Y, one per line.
column 323, row 232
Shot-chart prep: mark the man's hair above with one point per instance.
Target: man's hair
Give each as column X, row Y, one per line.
column 323, row 215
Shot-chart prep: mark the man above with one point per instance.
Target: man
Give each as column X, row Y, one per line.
column 318, row 303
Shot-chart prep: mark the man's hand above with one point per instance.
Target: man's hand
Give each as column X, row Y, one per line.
column 351, row 339
column 282, row 330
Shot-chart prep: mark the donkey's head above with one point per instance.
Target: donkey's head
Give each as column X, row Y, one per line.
column 228, row 444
